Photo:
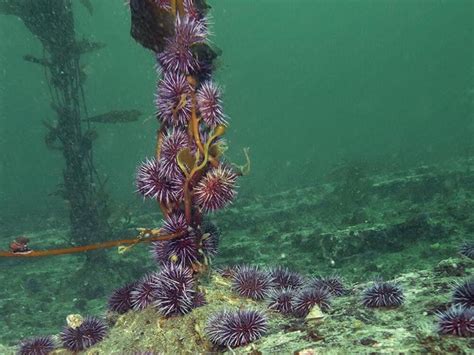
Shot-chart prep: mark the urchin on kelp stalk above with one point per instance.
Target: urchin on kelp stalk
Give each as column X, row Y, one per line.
column 187, row 175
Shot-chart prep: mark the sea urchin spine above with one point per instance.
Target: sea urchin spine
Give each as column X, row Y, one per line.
column 37, row 346
column 216, row 189
column 251, row 281
column 463, row 294
column 383, row 295
column 234, row 329
column 121, row 299
column 281, row 300
column 457, row 320
column 90, row 332
column 306, row 299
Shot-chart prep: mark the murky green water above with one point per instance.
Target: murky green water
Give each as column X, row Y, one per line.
column 338, row 97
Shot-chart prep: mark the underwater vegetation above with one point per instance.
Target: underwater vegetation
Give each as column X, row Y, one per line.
column 185, row 304
column 52, row 22
column 70, row 132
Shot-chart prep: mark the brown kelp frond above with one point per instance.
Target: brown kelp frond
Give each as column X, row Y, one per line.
column 245, row 168
column 145, row 235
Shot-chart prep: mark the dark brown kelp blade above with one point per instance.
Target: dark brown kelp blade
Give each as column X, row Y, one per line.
column 150, row 25
column 116, row 117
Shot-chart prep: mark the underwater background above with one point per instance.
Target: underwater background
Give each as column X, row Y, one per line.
column 359, row 116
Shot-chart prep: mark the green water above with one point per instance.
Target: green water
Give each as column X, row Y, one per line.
column 309, row 85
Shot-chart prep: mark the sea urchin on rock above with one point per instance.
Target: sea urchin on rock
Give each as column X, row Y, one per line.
column 144, row 292
column 457, row 320
column 333, row 283
column 467, row 249
column 306, row 299
column 281, row 300
column 90, row 332
column 36, row 346
column 463, row 294
column 121, row 299
column 234, row 329
column 284, row 278
column 251, row 281
column 175, row 290
column 383, row 294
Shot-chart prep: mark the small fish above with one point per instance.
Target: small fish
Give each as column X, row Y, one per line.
column 116, row 117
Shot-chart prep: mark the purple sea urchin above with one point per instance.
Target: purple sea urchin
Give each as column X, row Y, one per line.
column 234, row 329
column 173, row 142
column 216, row 189
column 36, row 346
column 467, row 249
column 172, row 101
column 178, row 55
column 163, row 4
column 151, row 183
column 210, row 104
column 210, row 239
column 144, row 292
column 175, row 290
column 182, row 250
column 457, row 320
column 463, row 294
column 194, row 11
column 121, row 299
column 283, row 278
column 383, row 294
column 281, row 300
column 251, row 281
column 175, row 223
column 90, row 332
column 199, row 300
column 306, row 299
column 334, row 284
column 176, row 274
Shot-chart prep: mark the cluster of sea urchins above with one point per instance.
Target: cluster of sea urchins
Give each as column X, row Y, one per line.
column 283, row 290
column 171, row 291
column 458, row 319
column 186, row 177
column 78, row 335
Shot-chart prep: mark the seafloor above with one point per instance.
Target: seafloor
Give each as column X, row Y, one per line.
column 360, row 223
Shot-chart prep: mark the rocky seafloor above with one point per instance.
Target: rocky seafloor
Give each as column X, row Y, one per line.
column 348, row 327
column 404, row 225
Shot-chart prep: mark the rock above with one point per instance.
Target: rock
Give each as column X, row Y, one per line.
column 315, row 315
